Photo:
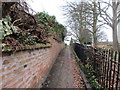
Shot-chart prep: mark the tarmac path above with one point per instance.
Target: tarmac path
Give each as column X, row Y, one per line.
column 65, row 72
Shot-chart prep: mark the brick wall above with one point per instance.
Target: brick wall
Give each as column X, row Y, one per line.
column 28, row 69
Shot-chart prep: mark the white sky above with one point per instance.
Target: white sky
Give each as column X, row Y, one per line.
column 53, row 7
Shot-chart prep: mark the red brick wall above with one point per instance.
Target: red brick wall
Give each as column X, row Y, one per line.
column 28, row 69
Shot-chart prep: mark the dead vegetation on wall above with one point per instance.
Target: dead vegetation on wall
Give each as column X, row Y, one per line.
column 19, row 27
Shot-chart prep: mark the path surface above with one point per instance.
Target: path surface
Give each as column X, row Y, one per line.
column 65, row 72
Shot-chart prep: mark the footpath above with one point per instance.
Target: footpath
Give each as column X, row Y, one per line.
column 65, row 72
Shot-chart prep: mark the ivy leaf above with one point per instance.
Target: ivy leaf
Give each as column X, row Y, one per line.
column 5, row 27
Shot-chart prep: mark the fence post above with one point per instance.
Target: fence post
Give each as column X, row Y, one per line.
column 111, row 58
column 100, row 67
column 118, row 78
column 108, row 67
column 103, row 68
column 94, row 60
column 102, row 55
column 113, row 80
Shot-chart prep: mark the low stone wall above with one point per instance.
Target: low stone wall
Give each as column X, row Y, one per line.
column 29, row 68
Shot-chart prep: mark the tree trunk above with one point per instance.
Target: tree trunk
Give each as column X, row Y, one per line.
column 94, row 25
column 115, row 41
column 115, row 38
column 94, row 40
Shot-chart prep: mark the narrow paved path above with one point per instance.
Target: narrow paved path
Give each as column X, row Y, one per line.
column 65, row 72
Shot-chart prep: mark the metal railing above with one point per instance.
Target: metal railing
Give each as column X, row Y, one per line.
column 106, row 64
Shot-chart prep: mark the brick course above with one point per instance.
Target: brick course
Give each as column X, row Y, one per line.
column 28, row 69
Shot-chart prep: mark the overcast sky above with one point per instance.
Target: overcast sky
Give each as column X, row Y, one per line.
column 53, row 7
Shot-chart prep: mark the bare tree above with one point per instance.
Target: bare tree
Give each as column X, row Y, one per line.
column 111, row 20
column 76, row 20
column 82, row 18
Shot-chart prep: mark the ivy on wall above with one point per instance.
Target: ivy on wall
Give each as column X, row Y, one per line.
column 6, row 28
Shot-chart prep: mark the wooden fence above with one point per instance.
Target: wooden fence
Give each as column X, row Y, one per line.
column 106, row 64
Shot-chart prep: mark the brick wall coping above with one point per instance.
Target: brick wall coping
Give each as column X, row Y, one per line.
column 26, row 47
